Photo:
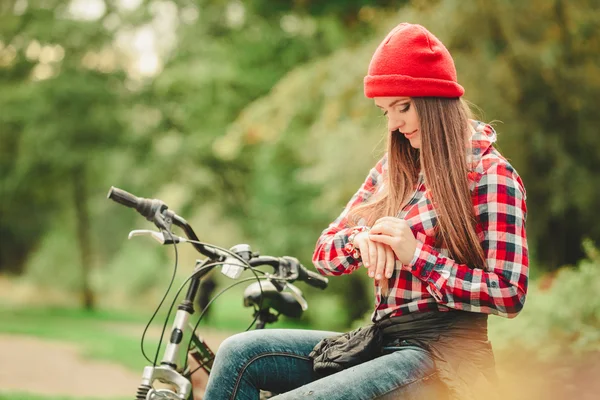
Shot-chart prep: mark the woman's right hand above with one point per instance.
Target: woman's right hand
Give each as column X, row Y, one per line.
column 378, row 258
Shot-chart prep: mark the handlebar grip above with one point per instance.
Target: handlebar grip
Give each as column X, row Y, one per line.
column 122, row 197
column 312, row 278
column 146, row 207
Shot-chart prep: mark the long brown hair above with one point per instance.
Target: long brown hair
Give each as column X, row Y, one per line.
column 444, row 142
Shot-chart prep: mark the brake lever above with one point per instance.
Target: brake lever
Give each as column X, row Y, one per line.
column 297, row 293
column 276, row 281
column 160, row 237
column 280, row 280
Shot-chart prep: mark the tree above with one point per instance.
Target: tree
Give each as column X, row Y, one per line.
column 61, row 119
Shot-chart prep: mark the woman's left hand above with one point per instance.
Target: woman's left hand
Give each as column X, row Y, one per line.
column 396, row 233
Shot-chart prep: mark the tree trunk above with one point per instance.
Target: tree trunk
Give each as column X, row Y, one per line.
column 83, row 235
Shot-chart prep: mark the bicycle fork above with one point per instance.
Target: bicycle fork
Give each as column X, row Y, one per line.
column 167, row 372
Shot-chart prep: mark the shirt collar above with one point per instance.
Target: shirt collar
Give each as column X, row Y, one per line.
column 483, row 136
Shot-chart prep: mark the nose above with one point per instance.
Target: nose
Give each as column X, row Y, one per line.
column 395, row 123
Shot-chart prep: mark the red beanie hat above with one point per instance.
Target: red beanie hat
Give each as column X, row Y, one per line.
column 412, row 62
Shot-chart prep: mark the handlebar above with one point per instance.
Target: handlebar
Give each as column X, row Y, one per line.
column 312, row 278
column 288, row 268
column 157, row 212
column 292, row 270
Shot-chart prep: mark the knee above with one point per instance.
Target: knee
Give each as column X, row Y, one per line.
column 239, row 346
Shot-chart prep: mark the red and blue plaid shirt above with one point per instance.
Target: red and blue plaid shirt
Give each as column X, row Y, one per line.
column 433, row 280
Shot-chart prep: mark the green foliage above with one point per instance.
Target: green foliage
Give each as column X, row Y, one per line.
column 343, row 9
column 534, row 66
column 561, row 313
column 59, row 120
column 54, row 263
column 256, row 127
column 205, row 85
column 134, row 271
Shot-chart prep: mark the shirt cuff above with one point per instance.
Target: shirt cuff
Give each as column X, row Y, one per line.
column 424, row 268
column 348, row 247
column 423, row 262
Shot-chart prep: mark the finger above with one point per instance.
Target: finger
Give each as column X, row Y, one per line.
column 386, row 228
column 363, row 248
column 390, row 263
column 372, row 259
column 385, row 239
column 381, row 260
column 381, row 229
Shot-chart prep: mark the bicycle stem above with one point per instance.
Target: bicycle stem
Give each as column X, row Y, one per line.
column 184, row 312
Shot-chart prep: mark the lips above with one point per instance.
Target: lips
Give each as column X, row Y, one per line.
column 410, row 135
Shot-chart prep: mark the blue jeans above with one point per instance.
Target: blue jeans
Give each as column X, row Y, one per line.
column 276, row 360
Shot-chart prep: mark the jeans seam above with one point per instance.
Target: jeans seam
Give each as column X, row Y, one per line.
column 256, row 357
column 405, row 385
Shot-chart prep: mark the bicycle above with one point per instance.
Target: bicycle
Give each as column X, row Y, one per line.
column 263, row 295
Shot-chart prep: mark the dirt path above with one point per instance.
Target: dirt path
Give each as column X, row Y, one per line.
column 40, row 366
column 49, row 367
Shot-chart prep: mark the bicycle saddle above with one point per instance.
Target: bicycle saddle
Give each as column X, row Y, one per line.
column 282, row 302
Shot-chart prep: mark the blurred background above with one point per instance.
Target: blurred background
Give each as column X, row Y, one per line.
column 248, row 118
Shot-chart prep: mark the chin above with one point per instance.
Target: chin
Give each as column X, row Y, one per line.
column 415, row 143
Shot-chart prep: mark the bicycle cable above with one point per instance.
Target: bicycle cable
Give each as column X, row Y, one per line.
column 159, row 306
column 189, row 346
column 245, row 264
column 253, row 270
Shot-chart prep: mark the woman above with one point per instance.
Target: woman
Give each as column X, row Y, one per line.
column 439, row 225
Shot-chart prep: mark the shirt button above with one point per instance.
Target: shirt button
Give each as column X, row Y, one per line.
column 494, row 284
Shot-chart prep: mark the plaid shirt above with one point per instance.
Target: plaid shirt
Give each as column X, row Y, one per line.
column 433, row 281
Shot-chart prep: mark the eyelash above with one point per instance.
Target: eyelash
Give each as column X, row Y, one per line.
column 405, row 109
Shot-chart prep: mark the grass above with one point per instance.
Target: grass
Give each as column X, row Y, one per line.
column 89, row 330
column 99, row 337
